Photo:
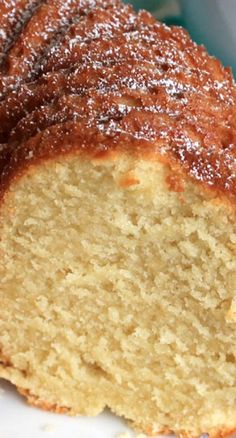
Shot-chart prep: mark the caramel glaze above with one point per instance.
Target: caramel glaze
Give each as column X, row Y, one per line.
column 44, row 29
column 94, row 77
column 14, row 15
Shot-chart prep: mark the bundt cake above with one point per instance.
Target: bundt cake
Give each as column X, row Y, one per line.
column 118, row 213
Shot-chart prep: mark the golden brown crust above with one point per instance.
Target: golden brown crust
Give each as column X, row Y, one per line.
column 222, row 433
column 33, row 400
column 49, row 20
column 14, row 15
column 37, row 402
column 118, row 81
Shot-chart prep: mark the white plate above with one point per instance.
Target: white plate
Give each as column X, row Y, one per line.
column 18, row 420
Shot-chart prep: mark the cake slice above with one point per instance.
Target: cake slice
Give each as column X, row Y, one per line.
column 118, row 237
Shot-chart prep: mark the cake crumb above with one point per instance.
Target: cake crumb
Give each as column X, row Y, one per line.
column 48, row 428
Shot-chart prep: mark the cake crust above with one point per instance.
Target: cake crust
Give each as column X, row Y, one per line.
column 36, row 402
column 130, row 84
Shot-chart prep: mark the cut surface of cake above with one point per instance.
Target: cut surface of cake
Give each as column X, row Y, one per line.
column 117, row 217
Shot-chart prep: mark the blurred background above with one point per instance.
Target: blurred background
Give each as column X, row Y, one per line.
column 210, row 22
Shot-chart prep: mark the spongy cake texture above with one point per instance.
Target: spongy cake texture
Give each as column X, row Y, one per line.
column 118, row 269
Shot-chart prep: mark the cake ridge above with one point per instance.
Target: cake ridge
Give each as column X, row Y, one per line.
column 43, row 30
column 14, row 16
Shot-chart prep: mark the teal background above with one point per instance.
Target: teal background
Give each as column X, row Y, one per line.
column 150, row 5
column 154, row 5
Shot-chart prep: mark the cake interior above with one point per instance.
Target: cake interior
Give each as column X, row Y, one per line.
column 118, row 291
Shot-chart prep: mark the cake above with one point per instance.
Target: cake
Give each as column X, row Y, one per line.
column 118, row 197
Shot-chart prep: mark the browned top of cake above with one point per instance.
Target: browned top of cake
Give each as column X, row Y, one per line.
column 94, row 76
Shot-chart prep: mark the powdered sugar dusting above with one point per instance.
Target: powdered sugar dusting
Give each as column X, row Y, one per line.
column 14, row 15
